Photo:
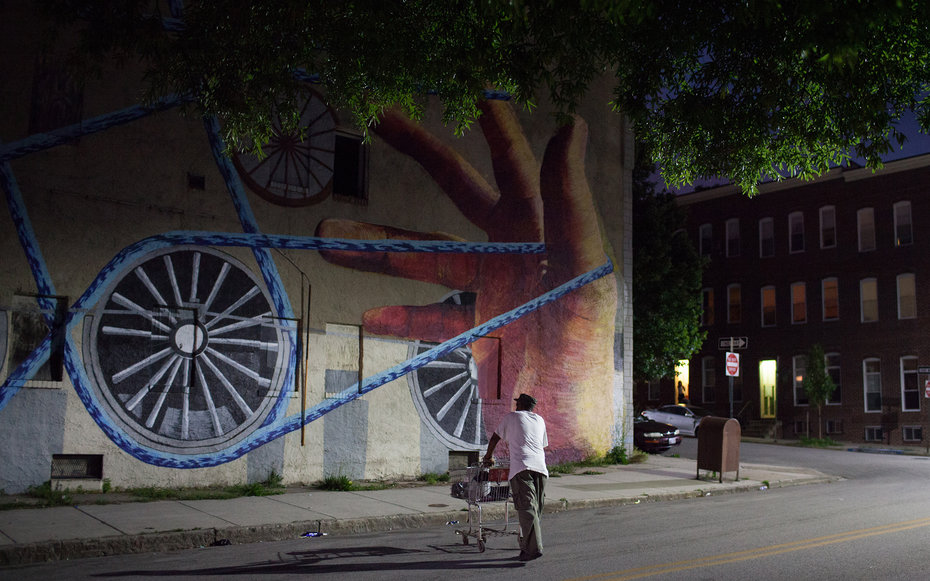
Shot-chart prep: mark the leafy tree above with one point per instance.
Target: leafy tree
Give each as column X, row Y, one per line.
column 818, row 385
column 744, row 89
column 666, row 280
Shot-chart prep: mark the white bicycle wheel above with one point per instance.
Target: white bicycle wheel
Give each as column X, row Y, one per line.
column 184, row 351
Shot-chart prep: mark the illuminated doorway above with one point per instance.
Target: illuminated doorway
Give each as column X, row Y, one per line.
column 682, row 373
column 767, row 373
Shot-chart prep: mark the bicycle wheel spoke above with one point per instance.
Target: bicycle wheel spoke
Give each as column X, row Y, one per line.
column 441, row 385
column 211, row 407
column 195, row 276
column 173, row 279
column 123, row 332
column 136, row 367
column 239, row 367
column 156, row 409
column 243, row 406
column 455, row 397
column 140, row 395
column 242, row 300
column 250, row 322
column 216, row 286
column 460, row 425
column 439, row 364
column 124, row 302
column 253, row 343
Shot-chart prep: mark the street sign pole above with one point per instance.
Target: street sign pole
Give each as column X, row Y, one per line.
column 731, row 383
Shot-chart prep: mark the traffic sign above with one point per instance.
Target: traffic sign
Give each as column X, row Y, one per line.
column 732, row 364
column 732, row 343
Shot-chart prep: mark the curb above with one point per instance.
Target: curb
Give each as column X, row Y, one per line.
column 24, row 554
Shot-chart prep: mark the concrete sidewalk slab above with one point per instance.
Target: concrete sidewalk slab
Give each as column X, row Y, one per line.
column 149, row 517
column 49, row 524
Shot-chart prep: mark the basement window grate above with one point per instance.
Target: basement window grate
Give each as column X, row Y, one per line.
column 77, row 466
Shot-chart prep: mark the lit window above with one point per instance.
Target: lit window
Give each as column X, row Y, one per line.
column 827, row 227
column 903, row 230
column 831, row 299
column 733, row 237
column 799, row 366
column 910, row 387
column 705, row 239
column 907, row 297
column 707, row 307
column 734, row 304
column 872, row 384
column 766, row 237
column 768, row 306
column 868, row 300
column 799, row 302
column 796, row 232
column 866, row 224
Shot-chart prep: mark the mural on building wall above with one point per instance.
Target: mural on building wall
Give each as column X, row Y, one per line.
column 187, row 353
column 562, row 354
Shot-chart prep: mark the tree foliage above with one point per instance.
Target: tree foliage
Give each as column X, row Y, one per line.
column 666, row 280
column 744, row 89
column 818, row 385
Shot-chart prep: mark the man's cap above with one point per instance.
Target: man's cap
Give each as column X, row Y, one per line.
column 526, row 399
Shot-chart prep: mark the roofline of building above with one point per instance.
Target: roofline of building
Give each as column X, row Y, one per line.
column 847, row 174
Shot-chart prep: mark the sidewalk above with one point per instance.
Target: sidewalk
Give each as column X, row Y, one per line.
column 88, row 530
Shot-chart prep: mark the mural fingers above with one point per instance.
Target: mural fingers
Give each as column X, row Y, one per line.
column 437, row 323
column 467, row 189
column 451, row 270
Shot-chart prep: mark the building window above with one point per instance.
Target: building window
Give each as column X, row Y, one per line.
column 768, row 306
column 828, row 227
column 706, row 239
column 31, row 320
column 799, row 366
column 766, row 237
column 734, row 304
column 798, row 303
column 834, row 426
column 868, row 300
column 910, row 387
column 796, row 232
column 865, row 220
column 708, row 379
column 833, row 370
column 907, row 299
column 707, row 307
column 874, row 434
column 903, row 230
column 912, row 433
column 654, row 391
column 350, row 168
column 733, row 237
column 872, row 384
column 831, row 299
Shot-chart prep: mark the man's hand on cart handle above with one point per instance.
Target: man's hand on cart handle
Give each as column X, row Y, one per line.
column 489, row 455
column 488, row 461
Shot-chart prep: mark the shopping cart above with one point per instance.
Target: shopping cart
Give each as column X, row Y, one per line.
column 481, row 484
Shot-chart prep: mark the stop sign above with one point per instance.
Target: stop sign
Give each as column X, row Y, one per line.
column 732, row 364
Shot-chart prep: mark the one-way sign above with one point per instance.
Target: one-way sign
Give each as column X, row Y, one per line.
column 731, row 343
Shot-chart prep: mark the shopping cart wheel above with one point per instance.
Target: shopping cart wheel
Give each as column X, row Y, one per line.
column 184, row 350
column 480, row 546
column 464, row 539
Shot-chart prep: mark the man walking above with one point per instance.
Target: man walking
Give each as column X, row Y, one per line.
column 525, row 434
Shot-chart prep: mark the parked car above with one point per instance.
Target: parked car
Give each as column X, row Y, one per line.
column 654, row 437
column 685, row 418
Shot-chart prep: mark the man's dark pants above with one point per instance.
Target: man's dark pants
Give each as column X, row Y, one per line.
column 529, row 496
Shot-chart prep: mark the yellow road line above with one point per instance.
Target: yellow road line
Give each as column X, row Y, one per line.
column 757, row 553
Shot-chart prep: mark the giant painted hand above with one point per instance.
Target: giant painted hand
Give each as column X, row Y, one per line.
column 563, row 353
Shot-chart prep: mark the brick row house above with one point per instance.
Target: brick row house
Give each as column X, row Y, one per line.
column 838, row 262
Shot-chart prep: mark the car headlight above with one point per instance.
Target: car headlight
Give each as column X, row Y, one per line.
column 652, row 435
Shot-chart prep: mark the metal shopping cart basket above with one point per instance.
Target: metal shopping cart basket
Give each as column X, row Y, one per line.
column 482, row 484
